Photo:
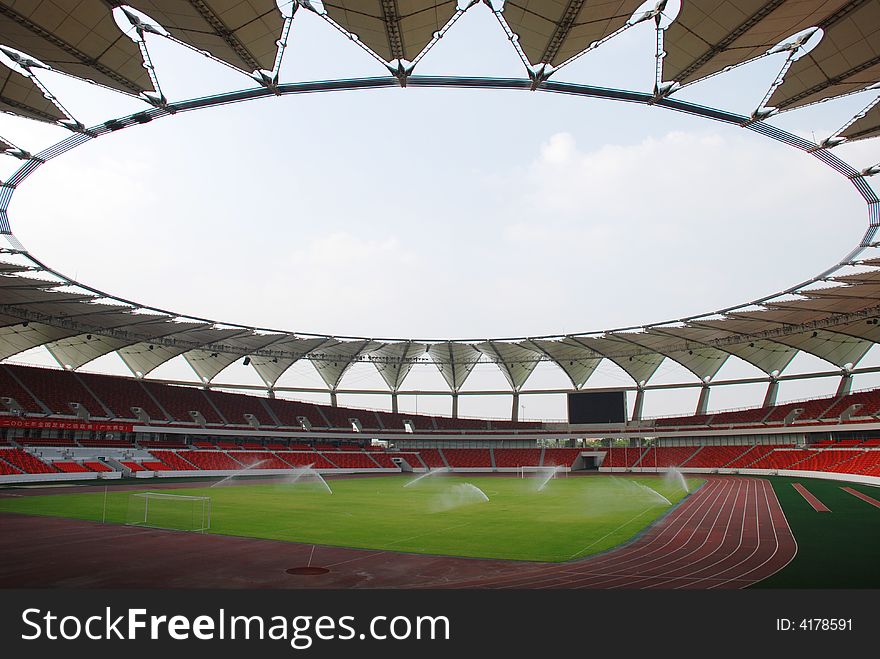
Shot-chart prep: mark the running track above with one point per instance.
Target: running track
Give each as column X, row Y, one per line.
column 728, row 534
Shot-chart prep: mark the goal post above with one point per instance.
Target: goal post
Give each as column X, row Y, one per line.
column 169, row 511
column 526, row 471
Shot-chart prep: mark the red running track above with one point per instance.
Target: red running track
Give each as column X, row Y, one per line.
column 730, row 533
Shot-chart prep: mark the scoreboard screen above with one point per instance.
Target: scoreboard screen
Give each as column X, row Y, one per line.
column 597, row 407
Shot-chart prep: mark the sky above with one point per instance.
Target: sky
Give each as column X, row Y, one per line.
column 417, row 213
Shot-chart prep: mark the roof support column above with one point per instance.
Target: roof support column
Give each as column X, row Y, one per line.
column 703, row 402
column 333, row 401
column 845, row 385
column 514, row 412
column 394, row 409
column 640, row 401
column 454, row 404
column 772, row 391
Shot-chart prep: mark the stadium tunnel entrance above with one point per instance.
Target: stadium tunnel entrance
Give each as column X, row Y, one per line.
column 405, row 467
column 588, row 461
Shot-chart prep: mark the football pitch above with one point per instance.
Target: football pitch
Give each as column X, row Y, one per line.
column 460, row 515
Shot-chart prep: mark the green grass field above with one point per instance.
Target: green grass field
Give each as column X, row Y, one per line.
column 835, row 550
column 571, row 518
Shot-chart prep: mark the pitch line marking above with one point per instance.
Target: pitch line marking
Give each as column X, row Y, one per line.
column 863, row 497
column 811, row 499
column 688, row 545
column 552, row 571
column 435, row 531
column 677, row 540
column 618, row 556
column 624, row 551
column 612, row 532
column 676, row 523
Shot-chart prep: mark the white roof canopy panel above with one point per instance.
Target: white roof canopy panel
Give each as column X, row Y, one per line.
column 271, row 368
column 333, row 359
column 240, row 32
column 769, row 356
column 838, row 349
column 515, row 360
column 455, row 361
column 553, row 31
column 394, row 361
column 575, row 360
column 871, row 290
column 393, row 29
column 77, row 351
column 18, row 338
column 831, row 346
column 765, row 355
column 710, row 35
column 79, row 37
column 18, row 95
column 701, row 361
column 861, row 329
column 639, row 364
column 208, row 363
column 847, row 59
column 864, row 127
column 145, row 356
column 827, row 307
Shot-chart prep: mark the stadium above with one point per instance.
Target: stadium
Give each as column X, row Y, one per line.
column 150, row 479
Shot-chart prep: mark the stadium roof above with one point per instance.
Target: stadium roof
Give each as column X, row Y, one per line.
column 837, row 324
column 833, row 316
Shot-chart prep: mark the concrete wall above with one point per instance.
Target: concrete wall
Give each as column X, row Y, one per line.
column 827, row 475
column 57, row 478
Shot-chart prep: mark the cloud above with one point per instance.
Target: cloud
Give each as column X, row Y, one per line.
column 674, row 225
column 564, row 235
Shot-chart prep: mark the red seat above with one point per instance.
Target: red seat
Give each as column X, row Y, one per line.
column 172, row 460
column 517, row 457
column 71, row 467
column 351, row 460
column 468, row 457
column 94, row 465
column 560, row 457
column 26, row 462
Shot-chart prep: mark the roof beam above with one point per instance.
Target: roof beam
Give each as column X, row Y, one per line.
column 71, row 50
column 563, row 27
column 732, row 36
column 223, row 31
column 826, row 24
column 840, row 14
column 830, row 82
column 391, row 18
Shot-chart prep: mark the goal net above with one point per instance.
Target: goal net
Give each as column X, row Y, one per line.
column 169, row 511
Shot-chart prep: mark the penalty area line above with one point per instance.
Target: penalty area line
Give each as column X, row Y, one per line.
column 596, row 542
column 435, row 531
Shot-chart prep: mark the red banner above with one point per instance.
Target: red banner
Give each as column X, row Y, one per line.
column 50, row 424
